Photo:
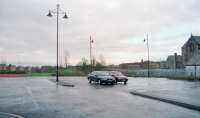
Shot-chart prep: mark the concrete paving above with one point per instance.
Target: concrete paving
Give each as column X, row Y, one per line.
column 177, row 90
column 41, row 98
column 167, row 100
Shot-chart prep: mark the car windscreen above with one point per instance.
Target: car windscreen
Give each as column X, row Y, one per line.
column 101, row 73
column 116, row 73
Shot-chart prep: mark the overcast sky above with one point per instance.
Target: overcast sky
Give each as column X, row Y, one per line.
column 118, row 27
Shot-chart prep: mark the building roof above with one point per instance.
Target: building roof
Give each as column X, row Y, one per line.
column 195, row 38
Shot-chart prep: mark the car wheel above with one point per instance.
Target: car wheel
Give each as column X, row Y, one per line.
column 101, row 82
column 125, row 82
column 90, row 81
column 116, row 82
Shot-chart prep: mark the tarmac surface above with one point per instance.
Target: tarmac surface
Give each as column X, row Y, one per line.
column 178, row 90
column 40, row 97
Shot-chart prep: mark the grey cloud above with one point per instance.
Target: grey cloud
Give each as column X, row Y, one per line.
column 25, row 29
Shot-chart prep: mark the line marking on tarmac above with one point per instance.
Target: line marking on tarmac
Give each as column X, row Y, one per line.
column 10, row 115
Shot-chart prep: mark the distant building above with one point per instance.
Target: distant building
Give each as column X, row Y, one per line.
column 36, row 69
column 3, row 67
column 48, row 68
column 130, row 66
column 163, row 65
column 11, row 68
column 193, row 66
column 190, row 49
column 140, row 65
column 28, row 69
column 112, row 67
column 174, row 61
column 20, row 68
column 152, row 64
column 191, row 56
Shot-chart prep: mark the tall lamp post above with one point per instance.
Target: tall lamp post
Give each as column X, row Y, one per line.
column 57, row 12
column 148, row 61
column 91, row 61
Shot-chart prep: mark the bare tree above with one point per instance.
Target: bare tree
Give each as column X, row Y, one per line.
column 83, row 63
column 102, row 60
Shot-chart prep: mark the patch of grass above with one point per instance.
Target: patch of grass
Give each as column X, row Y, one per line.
column 34, row 74
column 63, row 72
column 71, row 72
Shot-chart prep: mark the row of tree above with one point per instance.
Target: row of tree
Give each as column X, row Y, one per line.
column 94, row 64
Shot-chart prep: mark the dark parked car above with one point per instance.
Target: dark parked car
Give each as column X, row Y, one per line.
column 119, row 76
column 101, row 77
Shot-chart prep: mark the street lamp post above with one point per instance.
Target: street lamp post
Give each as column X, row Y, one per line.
column 91, row 63
column 148, row 61
column 57, row 11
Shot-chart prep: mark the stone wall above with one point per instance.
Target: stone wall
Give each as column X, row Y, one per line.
column 192, row 71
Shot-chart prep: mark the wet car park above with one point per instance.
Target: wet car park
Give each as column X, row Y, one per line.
column 32, row 97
